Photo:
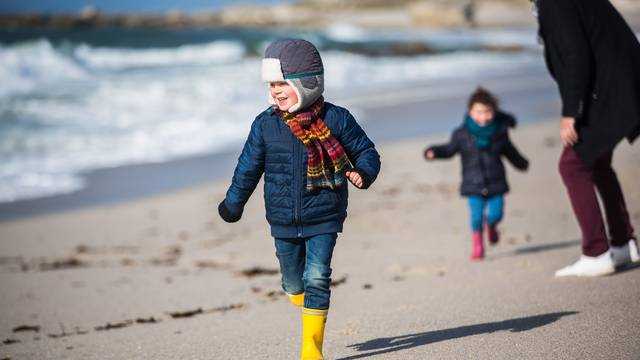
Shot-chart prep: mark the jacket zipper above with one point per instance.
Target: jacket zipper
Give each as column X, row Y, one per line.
column 296, row 185
column 485, row 189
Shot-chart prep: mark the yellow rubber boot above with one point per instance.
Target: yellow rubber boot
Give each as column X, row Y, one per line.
column 297, row 300
column 312, row 333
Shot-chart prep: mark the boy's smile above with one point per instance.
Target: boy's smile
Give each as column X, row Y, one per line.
column 283, row 95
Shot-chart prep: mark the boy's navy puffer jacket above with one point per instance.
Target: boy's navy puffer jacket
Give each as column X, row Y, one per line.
column 483, row 173
column 272, row 149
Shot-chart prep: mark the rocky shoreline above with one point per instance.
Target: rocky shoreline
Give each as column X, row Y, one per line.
column 309, row 13
column 378, row 14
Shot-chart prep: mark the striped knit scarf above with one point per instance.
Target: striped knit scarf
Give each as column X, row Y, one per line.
column 327, row 160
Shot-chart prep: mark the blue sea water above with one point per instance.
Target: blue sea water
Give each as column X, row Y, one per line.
column 73, row 101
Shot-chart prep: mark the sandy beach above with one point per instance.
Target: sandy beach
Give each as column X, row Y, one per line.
column 165, row 278
column 137, row 264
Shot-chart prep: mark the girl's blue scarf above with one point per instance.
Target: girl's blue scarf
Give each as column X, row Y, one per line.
column 482, row 134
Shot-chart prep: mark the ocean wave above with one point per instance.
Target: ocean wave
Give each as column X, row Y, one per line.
column 98, row 116
column 38, row 185
column 27, row 66
column 460, row 40
column 343, row 35
column 122, row 119
column 218, row 52
column 347, row 33
column 344, row 71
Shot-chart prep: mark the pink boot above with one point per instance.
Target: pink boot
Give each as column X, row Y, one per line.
column 478, row 247
column 492, row 234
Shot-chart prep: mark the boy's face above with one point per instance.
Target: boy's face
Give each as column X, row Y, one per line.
column 283, row 95
column 481, row 114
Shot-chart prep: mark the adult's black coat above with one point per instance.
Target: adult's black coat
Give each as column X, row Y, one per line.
column 595, row 58
column 483, row 173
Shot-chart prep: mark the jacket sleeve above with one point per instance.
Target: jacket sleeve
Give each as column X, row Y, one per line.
column 360, row 149
column 508, row 118
column 248, row 171
column 563, row 34
column 445, row 151
column 514, row 156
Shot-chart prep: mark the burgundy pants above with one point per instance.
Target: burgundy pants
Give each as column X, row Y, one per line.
column 581, row 181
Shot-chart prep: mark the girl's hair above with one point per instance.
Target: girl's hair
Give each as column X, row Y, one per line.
column 483, row 96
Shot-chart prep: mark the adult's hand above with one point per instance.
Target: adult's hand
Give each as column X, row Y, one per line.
column 568, row 132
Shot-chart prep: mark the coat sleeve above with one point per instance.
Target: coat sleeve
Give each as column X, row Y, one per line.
column 564, row 36
column 514, row 156
column 508, row 118
column 445, row 151
column 248, row 170
column 360, row 149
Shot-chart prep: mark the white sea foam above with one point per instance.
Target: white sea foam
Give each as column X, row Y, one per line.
column 219, row 52
column 447, row 39
column 25, row 67
column 37, row 185
column 352, row 71
column 438, row 39
column 347, row 33
column 123, row 118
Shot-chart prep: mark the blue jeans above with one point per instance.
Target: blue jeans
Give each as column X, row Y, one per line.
column 494, row 205
column 305, row 264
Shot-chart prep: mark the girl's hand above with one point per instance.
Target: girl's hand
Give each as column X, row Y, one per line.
column 354, row 178
column 429, row 155
column 568, row 132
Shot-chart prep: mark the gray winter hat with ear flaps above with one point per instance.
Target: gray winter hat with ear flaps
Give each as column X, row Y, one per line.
column 297, row 62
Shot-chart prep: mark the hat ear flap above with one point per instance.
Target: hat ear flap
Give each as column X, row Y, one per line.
column 309, row 82
column 272, row 101
column 297, row 105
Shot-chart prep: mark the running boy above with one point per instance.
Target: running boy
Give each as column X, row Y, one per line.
column 306, row 148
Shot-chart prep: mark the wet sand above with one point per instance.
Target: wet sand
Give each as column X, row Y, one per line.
column 165, row 278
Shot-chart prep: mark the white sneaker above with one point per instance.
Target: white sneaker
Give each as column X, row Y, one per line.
column 589, row 266
column 626, row 254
